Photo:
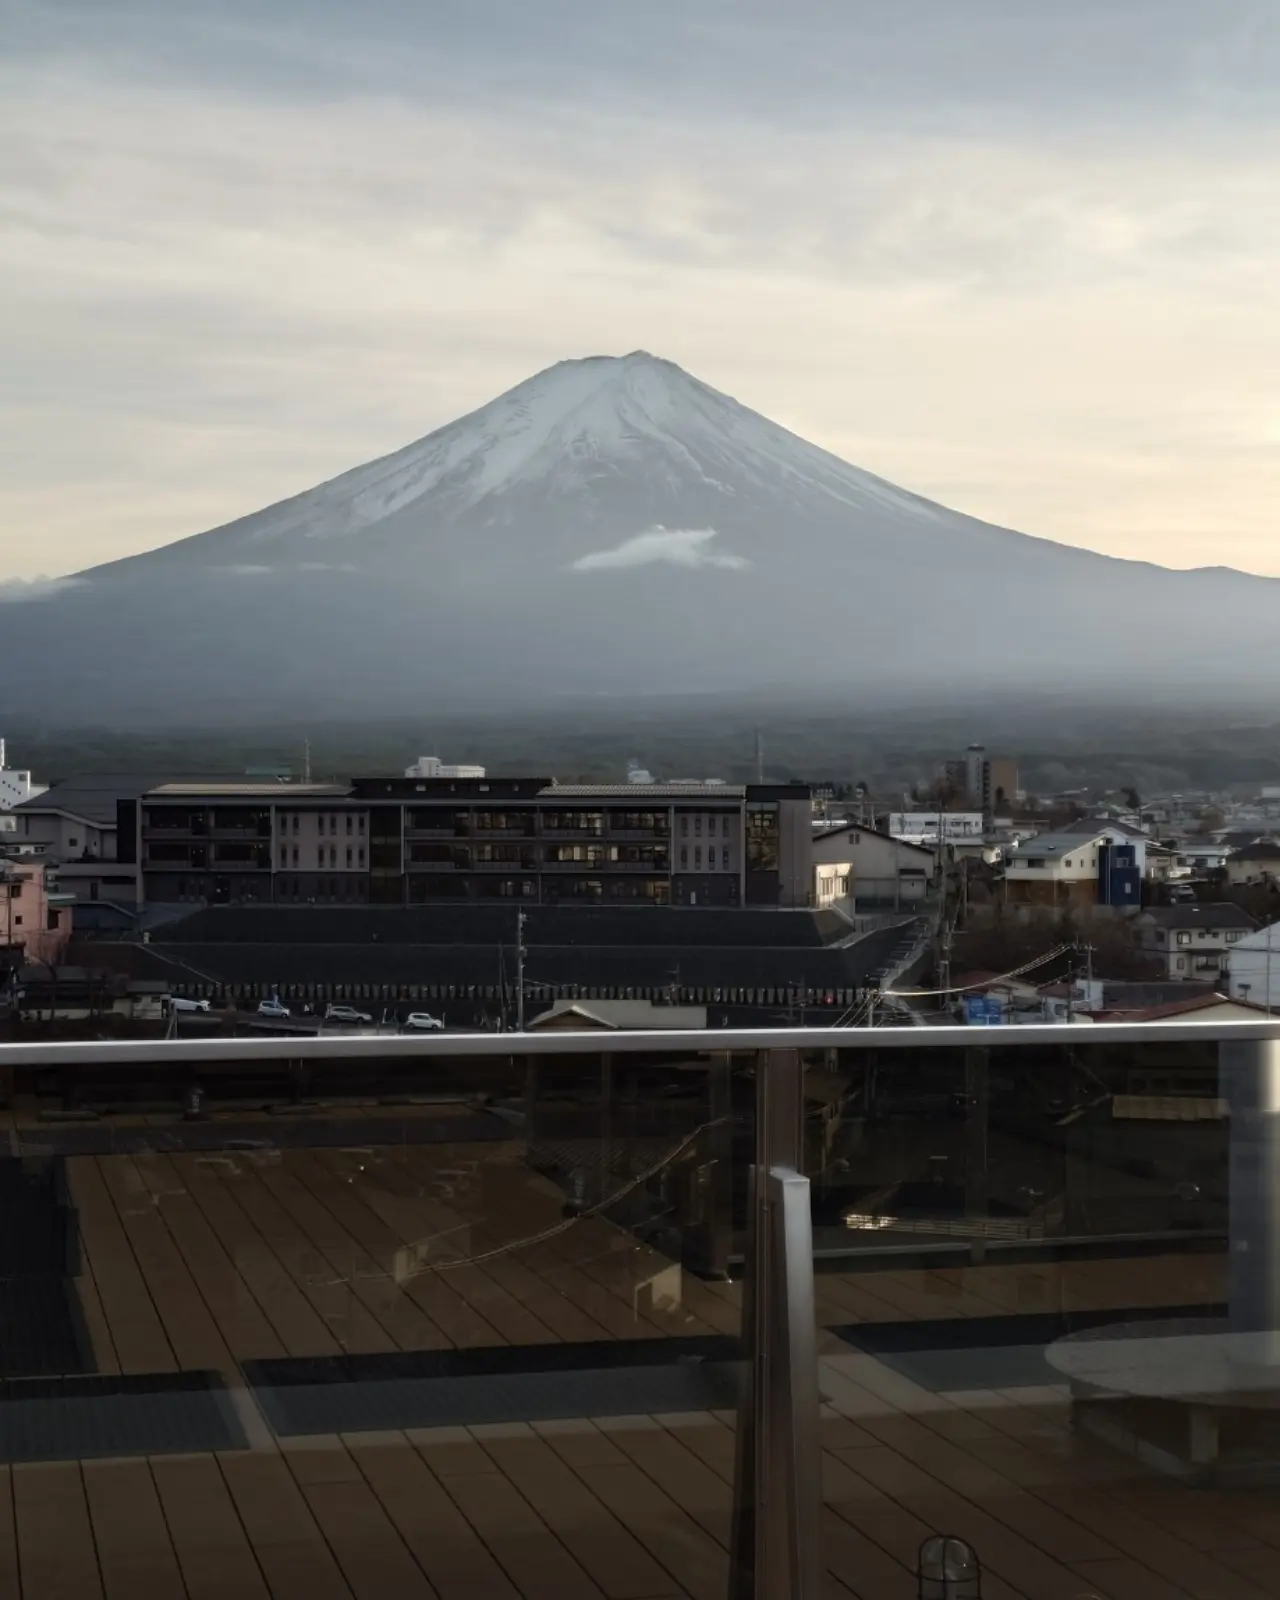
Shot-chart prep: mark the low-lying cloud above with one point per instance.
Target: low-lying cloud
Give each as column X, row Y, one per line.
column 677, row 547
column 15, row 590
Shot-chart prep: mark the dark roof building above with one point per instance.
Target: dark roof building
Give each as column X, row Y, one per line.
column 742, row 957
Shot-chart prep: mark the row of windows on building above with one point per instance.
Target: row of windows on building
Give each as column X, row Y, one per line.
column 327, row 822
column 326, row 856
column 711, row 826
column 697, row 858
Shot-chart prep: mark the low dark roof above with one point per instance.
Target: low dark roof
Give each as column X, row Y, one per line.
column 1088, row 826
column 876, row 833
column 1218, row 914
column 558, row 966
column 1262, row 850
column 626, row 927
column 93, row 795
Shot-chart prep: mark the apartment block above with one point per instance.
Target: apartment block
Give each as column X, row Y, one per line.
column 407, row 841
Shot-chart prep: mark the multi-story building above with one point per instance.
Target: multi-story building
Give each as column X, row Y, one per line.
column 35, row 919
column 398, row 841
column 869, row 869
column 1194, row 942
column 1075, row 869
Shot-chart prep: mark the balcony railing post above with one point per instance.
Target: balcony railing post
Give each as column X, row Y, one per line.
column 778, row 1485
column 1251, row 1078
column 977, row 1115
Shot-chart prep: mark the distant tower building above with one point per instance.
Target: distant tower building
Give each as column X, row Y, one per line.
column 975, row 776
column 433, row 767
column 638, row 774
column 15, row 784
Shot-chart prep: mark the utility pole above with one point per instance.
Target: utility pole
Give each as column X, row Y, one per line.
column 759, row 757
column 306, row 761
column 519, row 971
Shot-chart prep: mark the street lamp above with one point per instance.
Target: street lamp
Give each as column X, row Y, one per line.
column 948, row 1568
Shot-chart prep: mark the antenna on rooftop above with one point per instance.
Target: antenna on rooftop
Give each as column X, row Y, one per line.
column 306, row 761
column 759, row 757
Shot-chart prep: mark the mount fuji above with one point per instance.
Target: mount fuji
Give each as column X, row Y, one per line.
column 613, row 525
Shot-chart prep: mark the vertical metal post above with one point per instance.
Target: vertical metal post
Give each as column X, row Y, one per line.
column 977, row 1115
column 778, row 1484
column 719, row 1157
column 1251, row 1078
column 607, row 1135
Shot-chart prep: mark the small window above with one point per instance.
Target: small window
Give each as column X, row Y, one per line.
column 697, row 825
column 724, row 858
column 320, row 823
column 284, row 856
column 17, row 922
column 684, row 826
column 296, row 820
column 360, row 823
column 295, row 855
column 348, row 849
column 1184, row 938
column 684, row 856
column 348, row 823
column 72, row 843
column 360, row 855
column 697, row 858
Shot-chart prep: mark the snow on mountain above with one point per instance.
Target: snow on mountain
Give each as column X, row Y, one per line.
column 613, row 525
column 562, row 431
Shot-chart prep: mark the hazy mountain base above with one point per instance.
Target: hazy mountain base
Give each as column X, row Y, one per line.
column 1060, row 745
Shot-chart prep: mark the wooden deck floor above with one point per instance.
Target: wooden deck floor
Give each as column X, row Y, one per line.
column 207, row 1261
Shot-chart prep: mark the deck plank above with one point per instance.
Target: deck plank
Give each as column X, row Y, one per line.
column 209, row 1540
column 137, row 1331
column 58, row 1559
column 297, row 1324
column 189, row 1327
column 291, row 1549
column 444, row 1544
column 447, row 1309
column 539, row 1566
column 135, row 1553
column 544, row 1475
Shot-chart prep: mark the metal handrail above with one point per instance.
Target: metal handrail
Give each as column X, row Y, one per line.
column 683, row 1041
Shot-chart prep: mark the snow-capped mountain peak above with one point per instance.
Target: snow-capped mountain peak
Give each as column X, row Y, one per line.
column 567, row 426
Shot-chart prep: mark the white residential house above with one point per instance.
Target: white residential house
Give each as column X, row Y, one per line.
column 872, row 870
column 932, row 827
column 1254, row 967
column 16, row 785
column 1256, row 864
column 1194, row 942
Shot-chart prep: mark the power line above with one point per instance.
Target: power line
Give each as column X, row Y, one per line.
column 924, row 994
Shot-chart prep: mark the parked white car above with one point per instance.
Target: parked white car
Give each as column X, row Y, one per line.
column 272, row 1008
column 345, row 1014
column 423, row 1022
column 180, row 1002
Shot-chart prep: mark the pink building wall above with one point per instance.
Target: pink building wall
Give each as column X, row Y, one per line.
column 27, row 918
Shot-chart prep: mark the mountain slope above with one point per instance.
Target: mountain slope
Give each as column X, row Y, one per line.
column 611, row 525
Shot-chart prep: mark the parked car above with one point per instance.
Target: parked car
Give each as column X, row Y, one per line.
column 180, row 1002
column 345, row 1014
column 423, row 1022
column 272, row 1008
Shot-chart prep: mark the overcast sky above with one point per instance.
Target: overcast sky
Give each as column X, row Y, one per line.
column 1020, row 256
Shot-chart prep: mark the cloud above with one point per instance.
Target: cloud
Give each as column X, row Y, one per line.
column 14, row 591
column 674, row 547
column 985, row 252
